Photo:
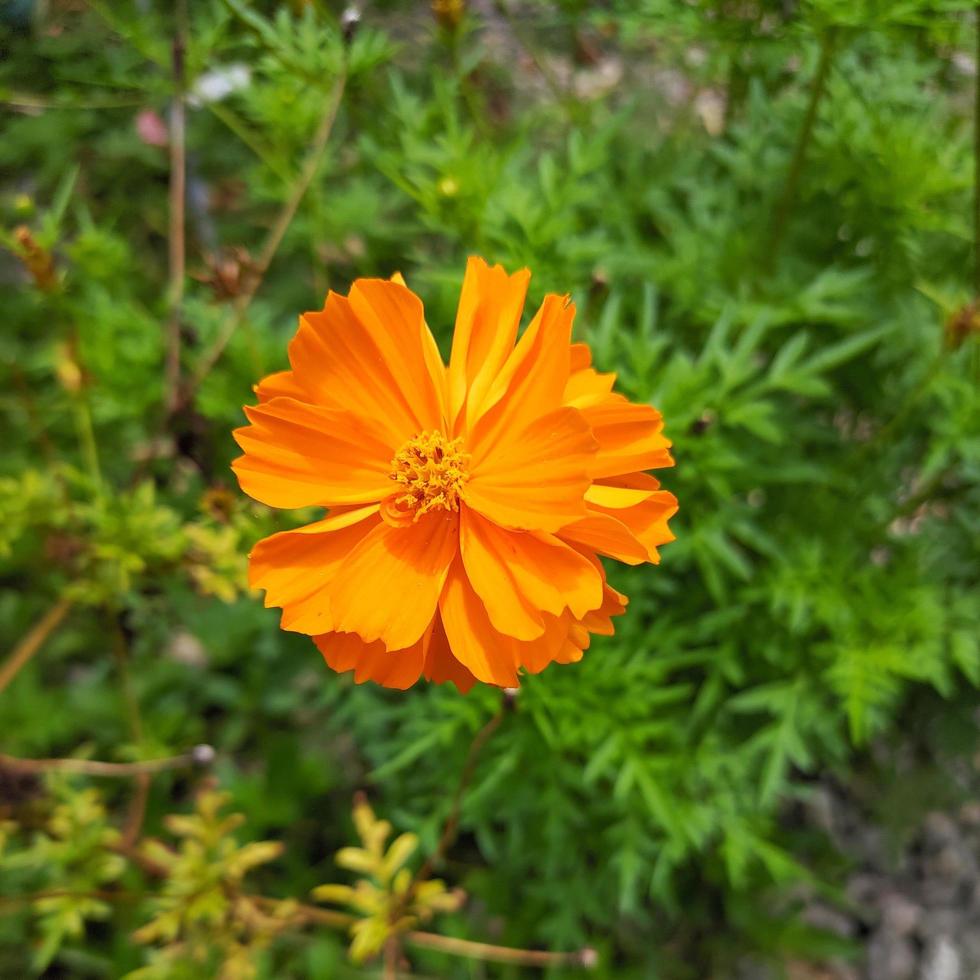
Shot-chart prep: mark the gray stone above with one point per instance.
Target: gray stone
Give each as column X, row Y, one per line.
column 941, row 922
column 936, row 892
column 939, row 830
column 891, row 957
column 941, row 961
column 829, row 919
column 863, row 890
column 900, row 914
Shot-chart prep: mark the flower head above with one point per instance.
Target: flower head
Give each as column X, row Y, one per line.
column 468, row 504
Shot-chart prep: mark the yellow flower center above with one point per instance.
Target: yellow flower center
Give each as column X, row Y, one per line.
column 430, row 471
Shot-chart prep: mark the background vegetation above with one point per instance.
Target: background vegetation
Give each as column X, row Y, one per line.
column 763, row 210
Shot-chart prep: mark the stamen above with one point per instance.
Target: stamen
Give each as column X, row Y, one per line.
column 430, row 471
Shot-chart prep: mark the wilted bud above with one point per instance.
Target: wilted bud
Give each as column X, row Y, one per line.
column 703, row 422
column 449, row 12
column 350, row 20
column 37, row 259
column 963, row 323
column 219, row 503
column 230, row 273
column 63, row 550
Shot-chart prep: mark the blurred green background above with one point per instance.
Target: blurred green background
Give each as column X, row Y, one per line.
column 764, row 210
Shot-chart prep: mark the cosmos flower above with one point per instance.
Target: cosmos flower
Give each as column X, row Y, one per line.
column 468, row 504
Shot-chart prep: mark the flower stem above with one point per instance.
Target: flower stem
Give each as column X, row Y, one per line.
column 451, row 826
column 787, row 197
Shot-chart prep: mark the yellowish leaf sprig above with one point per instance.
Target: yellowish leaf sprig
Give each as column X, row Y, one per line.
column 107, row 552
column 204, row 924
column 73, row 857
column 386, row 899
column 215, row 559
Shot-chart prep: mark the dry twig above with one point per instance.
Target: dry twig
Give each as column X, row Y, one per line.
column 199, row 755
column 273, row 241
column 33, row 642
column 178, row 198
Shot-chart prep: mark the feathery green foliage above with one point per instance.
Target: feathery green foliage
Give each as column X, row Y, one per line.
column 762, row 212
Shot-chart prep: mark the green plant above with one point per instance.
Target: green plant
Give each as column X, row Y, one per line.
column 762, row 212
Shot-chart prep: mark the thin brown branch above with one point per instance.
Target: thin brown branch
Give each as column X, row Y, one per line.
column 137, row 810
column 178, row 198
column 309, row 913
column 141, row 794
column 273, row 240
column 487, row 952
column 391, row 954
column 124, row 770
column 583, row 958
column 104, row 895
column 33, row 642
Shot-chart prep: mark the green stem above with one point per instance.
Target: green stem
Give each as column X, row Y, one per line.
column 177, row 207
column 86, row 437
column 976, row 168
column 787, row 197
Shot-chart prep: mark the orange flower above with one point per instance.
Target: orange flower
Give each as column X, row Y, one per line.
column 468, row 505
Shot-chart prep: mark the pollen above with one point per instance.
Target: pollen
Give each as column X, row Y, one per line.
column 430, row 471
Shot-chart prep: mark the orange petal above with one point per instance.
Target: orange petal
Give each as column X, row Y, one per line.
column 399, row 669
column 488, row 553
column 580, row 357
column 630, row 437
column 530, row 384
column 519, row 575
column 587, row 387
column 619, row 492
column 296, row 567
column 556, row 646
column 282, row 384
column 600, row 620
column 489, row 655
column 429, row 656
column 489, row 313
column 352, row 366
column 537, row 479
column 440, row 664
column 388, row 586
column 604, row 533
column 299, row 455
column 647, row 520
column 396, row 320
